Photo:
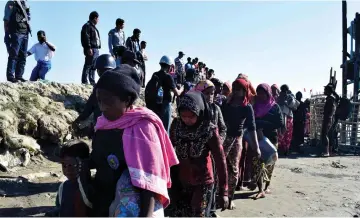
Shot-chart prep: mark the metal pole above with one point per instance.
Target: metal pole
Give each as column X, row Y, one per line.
column 356, row 79
column 344, row 53
column 344, row 59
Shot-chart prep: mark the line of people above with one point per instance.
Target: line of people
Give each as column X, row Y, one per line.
column 16, row 35
column 223, row 139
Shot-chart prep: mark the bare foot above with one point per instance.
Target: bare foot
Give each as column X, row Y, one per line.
column 232, row 205
column 267, row 191
column 259, row 195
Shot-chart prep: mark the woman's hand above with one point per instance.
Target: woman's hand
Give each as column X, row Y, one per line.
column 224, row 202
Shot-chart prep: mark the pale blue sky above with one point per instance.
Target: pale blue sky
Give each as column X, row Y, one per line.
column 274, row 42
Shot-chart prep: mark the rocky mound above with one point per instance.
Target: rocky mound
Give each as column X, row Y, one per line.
column 34, row 113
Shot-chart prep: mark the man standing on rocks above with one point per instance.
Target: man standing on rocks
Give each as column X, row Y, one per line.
column 17, row 29
column 117, row 39
column 179, row 68
column 133, row 42
column 90, row 41
column 142, row 57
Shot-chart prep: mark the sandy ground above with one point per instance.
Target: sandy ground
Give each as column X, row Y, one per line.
column 300, row 187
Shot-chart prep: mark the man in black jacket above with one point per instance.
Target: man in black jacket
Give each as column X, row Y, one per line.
column 133, row 42
column 90, row 41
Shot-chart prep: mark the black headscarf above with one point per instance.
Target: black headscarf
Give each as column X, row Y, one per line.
column 191, row 140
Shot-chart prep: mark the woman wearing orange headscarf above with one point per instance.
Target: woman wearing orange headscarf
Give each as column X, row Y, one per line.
column 252, row 90
column 238, row 114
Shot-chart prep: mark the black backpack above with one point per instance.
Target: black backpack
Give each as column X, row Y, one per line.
column 344, row 109
column 151, row 91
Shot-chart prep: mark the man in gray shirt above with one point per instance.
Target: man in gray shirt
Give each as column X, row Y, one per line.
column 116, row 39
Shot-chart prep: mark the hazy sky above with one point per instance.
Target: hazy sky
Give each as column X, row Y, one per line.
column 273, row 42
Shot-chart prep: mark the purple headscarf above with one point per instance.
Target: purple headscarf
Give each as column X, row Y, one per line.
column 262, row 108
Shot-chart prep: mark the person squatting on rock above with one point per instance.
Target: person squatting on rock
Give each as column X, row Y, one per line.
column 16, row 29
column 90, row 41
column 103, row 63
column 43, row 52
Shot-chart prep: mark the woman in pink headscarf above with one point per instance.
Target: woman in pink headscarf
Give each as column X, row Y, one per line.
column 269, row 119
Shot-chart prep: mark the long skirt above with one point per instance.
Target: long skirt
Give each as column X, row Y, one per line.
column 191, row 201
column 285, row 138
column 259, row 169
column 244, row 166
column 233, row 150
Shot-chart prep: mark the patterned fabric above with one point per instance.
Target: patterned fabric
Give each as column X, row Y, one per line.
column 193, row 201
column 285, row 139
column 127, row 200
column 233, row 150
column 179, row 65
column 191, row 141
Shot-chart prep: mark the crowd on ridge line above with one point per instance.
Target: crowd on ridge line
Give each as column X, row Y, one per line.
column 225, row 137
column 128, row 50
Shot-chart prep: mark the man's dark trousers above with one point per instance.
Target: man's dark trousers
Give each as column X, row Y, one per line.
column 17, row 55
column 89, row 67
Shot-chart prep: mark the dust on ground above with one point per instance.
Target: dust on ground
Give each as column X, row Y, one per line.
column 303, row 186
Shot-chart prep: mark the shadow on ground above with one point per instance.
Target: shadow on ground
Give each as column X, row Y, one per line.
column 25, row 212
column 18, row 187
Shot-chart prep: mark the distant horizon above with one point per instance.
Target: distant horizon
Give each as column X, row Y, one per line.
column 282, row 42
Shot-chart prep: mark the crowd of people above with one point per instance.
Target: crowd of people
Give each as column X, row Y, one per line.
column 224, row 138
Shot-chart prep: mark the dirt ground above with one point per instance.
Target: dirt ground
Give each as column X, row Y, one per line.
column 305, row 186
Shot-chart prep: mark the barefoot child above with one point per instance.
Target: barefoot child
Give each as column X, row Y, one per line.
column 71, row 199
column 43, row 51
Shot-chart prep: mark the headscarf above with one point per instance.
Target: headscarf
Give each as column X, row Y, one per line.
column 245, row 85
column 262, row 108
column 228, row 85
column 202, row 85
column 274, row 88
column 252, row 90
column 190, row 141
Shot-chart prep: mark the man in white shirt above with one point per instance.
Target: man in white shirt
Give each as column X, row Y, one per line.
column 43, row 51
